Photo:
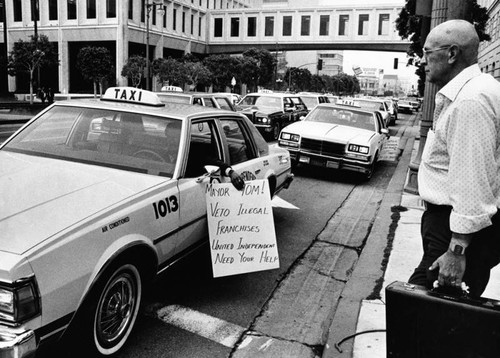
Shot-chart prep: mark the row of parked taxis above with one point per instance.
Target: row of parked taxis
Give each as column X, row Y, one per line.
column 99, row 196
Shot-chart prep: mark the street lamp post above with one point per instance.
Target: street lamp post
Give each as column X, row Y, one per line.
column 149, row 7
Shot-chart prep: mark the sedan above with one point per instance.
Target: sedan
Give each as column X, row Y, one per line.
column 98, row 198
column 338, row 137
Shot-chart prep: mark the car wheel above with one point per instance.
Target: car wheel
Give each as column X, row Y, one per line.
column 276, row 131
column 110, row 312
column 373, row 166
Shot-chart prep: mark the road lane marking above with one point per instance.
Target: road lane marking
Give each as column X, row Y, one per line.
column 277, row 202
column 209, row 327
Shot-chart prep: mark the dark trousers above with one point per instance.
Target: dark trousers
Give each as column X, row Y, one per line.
column 482, row 254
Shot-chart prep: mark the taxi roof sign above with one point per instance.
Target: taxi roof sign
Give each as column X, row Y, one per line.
column 132, row 95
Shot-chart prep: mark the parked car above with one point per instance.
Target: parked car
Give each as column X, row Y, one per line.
column 311, row 100
column 270, row 112
column 393, row 110
column 234, row 97
column 370, row 104
column 100, row 196
column 200, row 98
column 405, row 106
column 337, row 137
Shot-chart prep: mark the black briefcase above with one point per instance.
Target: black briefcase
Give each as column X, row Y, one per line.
column 428, row 324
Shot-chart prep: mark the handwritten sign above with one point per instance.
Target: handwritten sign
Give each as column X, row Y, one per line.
column 241, row 228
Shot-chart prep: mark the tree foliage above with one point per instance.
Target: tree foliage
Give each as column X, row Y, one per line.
column 169, row 70
column 96, row 65
column 223, row 69
column 266, row 66
column 134, row 69
column 27, row 56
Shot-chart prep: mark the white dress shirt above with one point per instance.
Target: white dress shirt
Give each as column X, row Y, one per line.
column 461, row 160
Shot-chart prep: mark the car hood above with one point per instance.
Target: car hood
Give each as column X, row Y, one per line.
column 327, row 131
column 40, row 197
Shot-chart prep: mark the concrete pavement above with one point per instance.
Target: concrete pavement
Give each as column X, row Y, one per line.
column 404, row 256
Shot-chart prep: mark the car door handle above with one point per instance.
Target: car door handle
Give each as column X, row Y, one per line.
column 257, row 171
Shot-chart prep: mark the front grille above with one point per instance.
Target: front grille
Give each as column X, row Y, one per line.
column 321, row 147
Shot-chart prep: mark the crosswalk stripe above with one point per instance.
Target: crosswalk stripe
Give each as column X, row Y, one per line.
column 212, row 328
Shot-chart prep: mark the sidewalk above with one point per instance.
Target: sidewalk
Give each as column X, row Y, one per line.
column 404, row 257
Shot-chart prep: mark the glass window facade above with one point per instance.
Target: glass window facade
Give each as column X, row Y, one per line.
column 363, row 25
column 324, row 25
column 305, row 25
column 235, row 26
column 343, row 25
column 287, row 26
column 269, row 26
column 218, row 23
column 252, row 27
column 383, row 24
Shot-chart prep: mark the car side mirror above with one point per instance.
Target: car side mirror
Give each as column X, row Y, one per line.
column 385, row 131
column 210, row 170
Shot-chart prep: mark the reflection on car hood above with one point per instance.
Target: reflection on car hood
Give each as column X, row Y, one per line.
column 39, row 197
column 259, row 109
column 327, row 131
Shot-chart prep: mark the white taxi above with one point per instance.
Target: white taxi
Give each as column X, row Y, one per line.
column 98, row 197
column 338, row 137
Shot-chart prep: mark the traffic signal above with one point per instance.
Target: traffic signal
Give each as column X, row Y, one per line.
column 320, row 64
column 395, row 63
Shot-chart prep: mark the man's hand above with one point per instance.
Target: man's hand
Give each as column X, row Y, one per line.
column 451, row 269
column 237, row 180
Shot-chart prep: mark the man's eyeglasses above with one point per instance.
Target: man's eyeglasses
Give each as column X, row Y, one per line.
column 426, row 52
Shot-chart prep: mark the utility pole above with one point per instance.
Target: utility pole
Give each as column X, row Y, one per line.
column 434, row 13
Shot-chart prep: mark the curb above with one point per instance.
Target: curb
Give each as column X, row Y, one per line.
column 368, row 274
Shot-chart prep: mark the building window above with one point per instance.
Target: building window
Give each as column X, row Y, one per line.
column 192, row 24
column 363, row 25
column 52, row 9
column 383, row 24
column 35, row 12
column 143, row 10
column 235, row 26
column 18, row 10
column 184, row 22
column 91, row 11
column 110, row 9
column 174, row 20
column 287, row 26
column 305, row 25
column 199, row 26
column 252, row 27
column 71, row 9
column 343, row 25
column 324, row 25
column 153, row 19
column 218, row 27
column 165, row 17
column 131, row 9
column 269, row 26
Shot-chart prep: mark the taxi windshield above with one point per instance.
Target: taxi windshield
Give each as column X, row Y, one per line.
column 342, row 117
column 122, row 140
column 263, row 101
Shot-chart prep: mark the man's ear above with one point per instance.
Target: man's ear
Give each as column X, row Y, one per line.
column 453, row 54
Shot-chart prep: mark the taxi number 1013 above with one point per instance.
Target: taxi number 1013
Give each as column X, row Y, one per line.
column 167, row 206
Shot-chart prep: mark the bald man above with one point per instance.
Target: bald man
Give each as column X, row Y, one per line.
column 459, row 175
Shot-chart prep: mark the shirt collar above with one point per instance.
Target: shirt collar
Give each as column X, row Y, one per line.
column 452, row 88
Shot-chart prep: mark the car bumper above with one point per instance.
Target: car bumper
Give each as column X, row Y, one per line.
column 333, row 163
column 17, row 343
column 264, row 127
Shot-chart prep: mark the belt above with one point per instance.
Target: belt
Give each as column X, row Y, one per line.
column 434, row 207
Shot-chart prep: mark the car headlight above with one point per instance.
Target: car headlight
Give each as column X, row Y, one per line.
column 19, row 301
column 289, row 136
column 264, row 120
column 358, row 149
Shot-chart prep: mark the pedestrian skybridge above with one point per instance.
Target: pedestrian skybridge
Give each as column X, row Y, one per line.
column 324, row 28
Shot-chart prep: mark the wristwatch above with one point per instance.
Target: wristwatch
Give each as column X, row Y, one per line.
column 457, row 249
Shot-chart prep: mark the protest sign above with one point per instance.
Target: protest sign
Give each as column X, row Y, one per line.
column 241, row 228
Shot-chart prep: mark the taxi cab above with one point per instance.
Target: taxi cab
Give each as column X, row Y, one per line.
column 100, row 196
column 337, row 137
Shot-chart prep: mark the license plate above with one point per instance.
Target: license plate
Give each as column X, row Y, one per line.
column 330, row 164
